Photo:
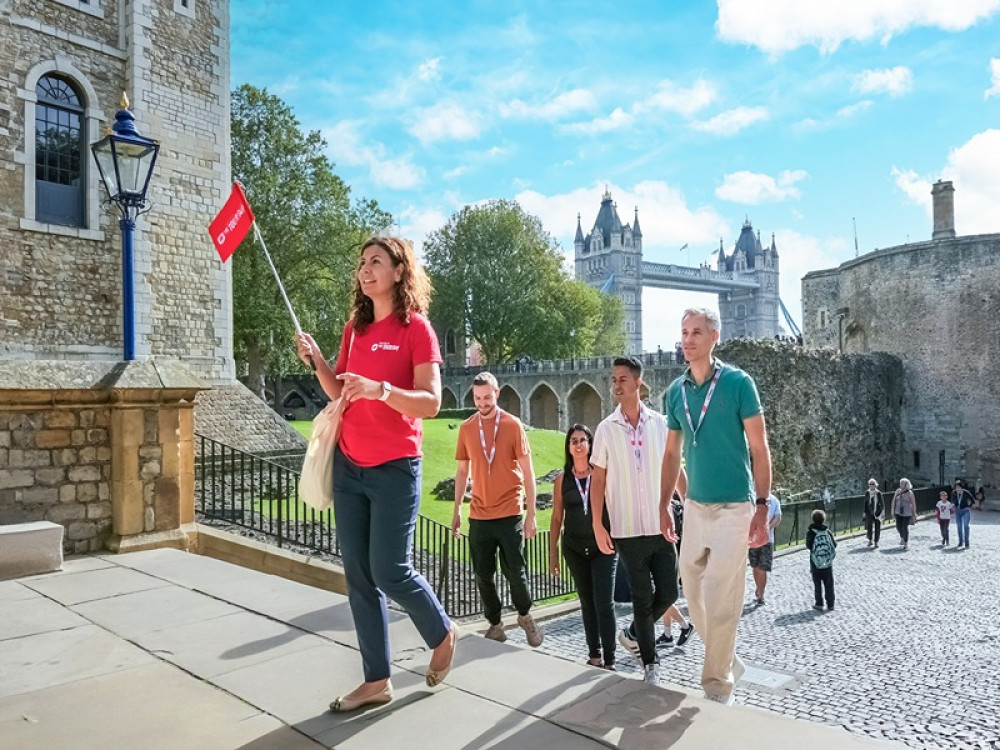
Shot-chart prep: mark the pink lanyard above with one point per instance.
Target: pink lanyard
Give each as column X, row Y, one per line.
column 635, row 437
column 584, row 490
column 482, row 440
column 704, row 406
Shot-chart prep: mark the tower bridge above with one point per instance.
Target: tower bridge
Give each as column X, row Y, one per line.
column 745, row 279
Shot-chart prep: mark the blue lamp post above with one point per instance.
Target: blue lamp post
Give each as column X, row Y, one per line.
column 125, row 161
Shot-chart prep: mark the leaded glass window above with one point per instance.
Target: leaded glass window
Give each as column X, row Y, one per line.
column 59, row 153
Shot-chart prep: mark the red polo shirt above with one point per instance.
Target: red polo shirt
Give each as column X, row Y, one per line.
column 372, row 432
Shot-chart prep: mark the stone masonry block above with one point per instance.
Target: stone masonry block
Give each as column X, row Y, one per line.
column 52, row 439
column 12, row 478
column 29, row 458
column 63, row 513
column 60, row 419
column 30, row 548
column 40, row 495
column 84, row 474
column 50, row 477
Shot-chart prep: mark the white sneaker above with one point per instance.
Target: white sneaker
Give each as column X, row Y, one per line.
column 629, row 643
column 739, row 669
column 651, row 674
column 725, row 700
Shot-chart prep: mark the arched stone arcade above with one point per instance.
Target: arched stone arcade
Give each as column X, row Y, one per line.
column 585, row 405
column 543, row 408
column 448, row 399
column 510, row 401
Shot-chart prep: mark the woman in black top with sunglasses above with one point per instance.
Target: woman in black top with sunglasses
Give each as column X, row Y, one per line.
column 593, row 571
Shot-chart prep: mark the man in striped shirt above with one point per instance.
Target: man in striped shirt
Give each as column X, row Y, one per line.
column 627, row 458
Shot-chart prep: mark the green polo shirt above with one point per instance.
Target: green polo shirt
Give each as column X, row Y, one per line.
column 718, row 467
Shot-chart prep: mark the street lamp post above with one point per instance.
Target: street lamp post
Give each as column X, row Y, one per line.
column 125, row 161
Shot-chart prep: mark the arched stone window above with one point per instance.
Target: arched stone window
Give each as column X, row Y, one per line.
column 59, row 153
column 449, row 342
column 61, row 118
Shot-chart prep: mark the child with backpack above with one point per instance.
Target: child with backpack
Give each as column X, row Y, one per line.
column 822, row 550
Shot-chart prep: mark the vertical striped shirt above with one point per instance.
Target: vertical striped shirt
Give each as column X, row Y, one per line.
column 632, row 489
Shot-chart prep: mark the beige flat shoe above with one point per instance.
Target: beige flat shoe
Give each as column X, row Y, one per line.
column 343, row 704
column 435, row 677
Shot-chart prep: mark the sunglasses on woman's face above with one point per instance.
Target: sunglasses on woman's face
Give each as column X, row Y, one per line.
column 578, row 441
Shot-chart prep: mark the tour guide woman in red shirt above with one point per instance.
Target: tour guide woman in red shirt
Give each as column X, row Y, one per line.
column 388, row 372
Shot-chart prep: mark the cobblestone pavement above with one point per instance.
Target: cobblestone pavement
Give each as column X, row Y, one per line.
column 910, row 654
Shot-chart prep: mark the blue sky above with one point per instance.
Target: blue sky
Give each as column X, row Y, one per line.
column 802, row 115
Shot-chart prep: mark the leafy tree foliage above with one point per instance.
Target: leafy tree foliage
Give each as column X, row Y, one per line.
column 312, row 229
column 499, row 276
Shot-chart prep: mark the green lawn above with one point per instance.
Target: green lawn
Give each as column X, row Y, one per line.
column 440, row 437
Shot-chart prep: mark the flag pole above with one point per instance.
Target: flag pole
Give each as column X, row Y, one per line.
column 281, row 287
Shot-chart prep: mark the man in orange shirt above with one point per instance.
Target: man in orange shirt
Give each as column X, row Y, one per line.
column 493, row 445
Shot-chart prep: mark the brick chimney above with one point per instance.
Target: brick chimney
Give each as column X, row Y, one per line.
column 943, row 195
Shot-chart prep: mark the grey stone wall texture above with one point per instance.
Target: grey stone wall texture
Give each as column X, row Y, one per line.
column 55, row 465
column 936, row 306
column 61, row 284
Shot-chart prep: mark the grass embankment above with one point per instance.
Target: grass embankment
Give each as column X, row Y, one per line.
column 440, row 438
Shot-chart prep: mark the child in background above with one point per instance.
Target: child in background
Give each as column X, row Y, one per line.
column 822, row 549
column 944, row 510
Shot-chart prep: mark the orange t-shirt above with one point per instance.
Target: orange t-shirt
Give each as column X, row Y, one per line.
column 496, row 490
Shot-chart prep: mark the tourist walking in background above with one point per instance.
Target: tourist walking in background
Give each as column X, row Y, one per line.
column 822, row 548
column 592, row 570
column 716, row 421
column 761, row 558
column 627, row 456
column 944, row 511
column 980, row 498
column 388, row 374
column 874, row 513
column 963, row 501
column 904, row 510
column 493, row 446
column 672, row 615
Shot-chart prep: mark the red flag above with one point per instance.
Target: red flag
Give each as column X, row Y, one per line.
column 232, row 224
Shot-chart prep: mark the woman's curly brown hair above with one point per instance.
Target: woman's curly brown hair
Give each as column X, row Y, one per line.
column 413, row 290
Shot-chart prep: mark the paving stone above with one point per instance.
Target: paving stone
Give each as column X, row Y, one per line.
column 910, row 629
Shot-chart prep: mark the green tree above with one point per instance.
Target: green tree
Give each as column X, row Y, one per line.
column 499, row 277
column 610, row 338
column 312, row 229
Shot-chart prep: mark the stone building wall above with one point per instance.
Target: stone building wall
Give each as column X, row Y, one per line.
column 832, row 420
column 935, row 305
column 55, row 465
column 62, row 285
column 820, row 302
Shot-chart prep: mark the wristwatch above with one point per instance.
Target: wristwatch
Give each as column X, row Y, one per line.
column 761, row 501
column 386, row 390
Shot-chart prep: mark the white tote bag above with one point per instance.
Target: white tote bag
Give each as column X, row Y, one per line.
column 316, row 479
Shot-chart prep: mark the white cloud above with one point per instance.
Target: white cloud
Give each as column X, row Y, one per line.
column 564, row 105
column 446, row 121
column 430, row 70
column 732, row 121
column 972, row 168
column 345, row 146
column 994, row 89
column 458, row 171
column 778, row 26
column 669, row 97
column 852, row 110
column 798, row 254
column 617, row 120
column 416, row 223
column 892, row 81
column 753, row 188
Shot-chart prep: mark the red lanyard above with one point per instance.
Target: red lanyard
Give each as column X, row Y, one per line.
column 704, row 406
column 482, row 440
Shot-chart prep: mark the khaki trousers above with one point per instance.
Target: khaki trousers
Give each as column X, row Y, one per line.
column 713, row 570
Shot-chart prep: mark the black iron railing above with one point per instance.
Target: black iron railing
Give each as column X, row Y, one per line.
column 257, row 497
column 844, row 515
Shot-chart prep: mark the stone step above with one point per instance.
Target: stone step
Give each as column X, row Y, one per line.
column 30, row 548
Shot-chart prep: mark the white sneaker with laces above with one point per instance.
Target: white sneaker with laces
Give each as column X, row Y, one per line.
column 725, row 700
column 651, row 674
column 629, row 643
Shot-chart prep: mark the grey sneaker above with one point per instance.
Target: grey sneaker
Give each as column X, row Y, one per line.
column 495, row 633
column 651, row 674
column 629, row 643
column 531, row 630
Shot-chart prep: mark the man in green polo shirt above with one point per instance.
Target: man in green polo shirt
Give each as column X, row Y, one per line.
column 715, row 420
